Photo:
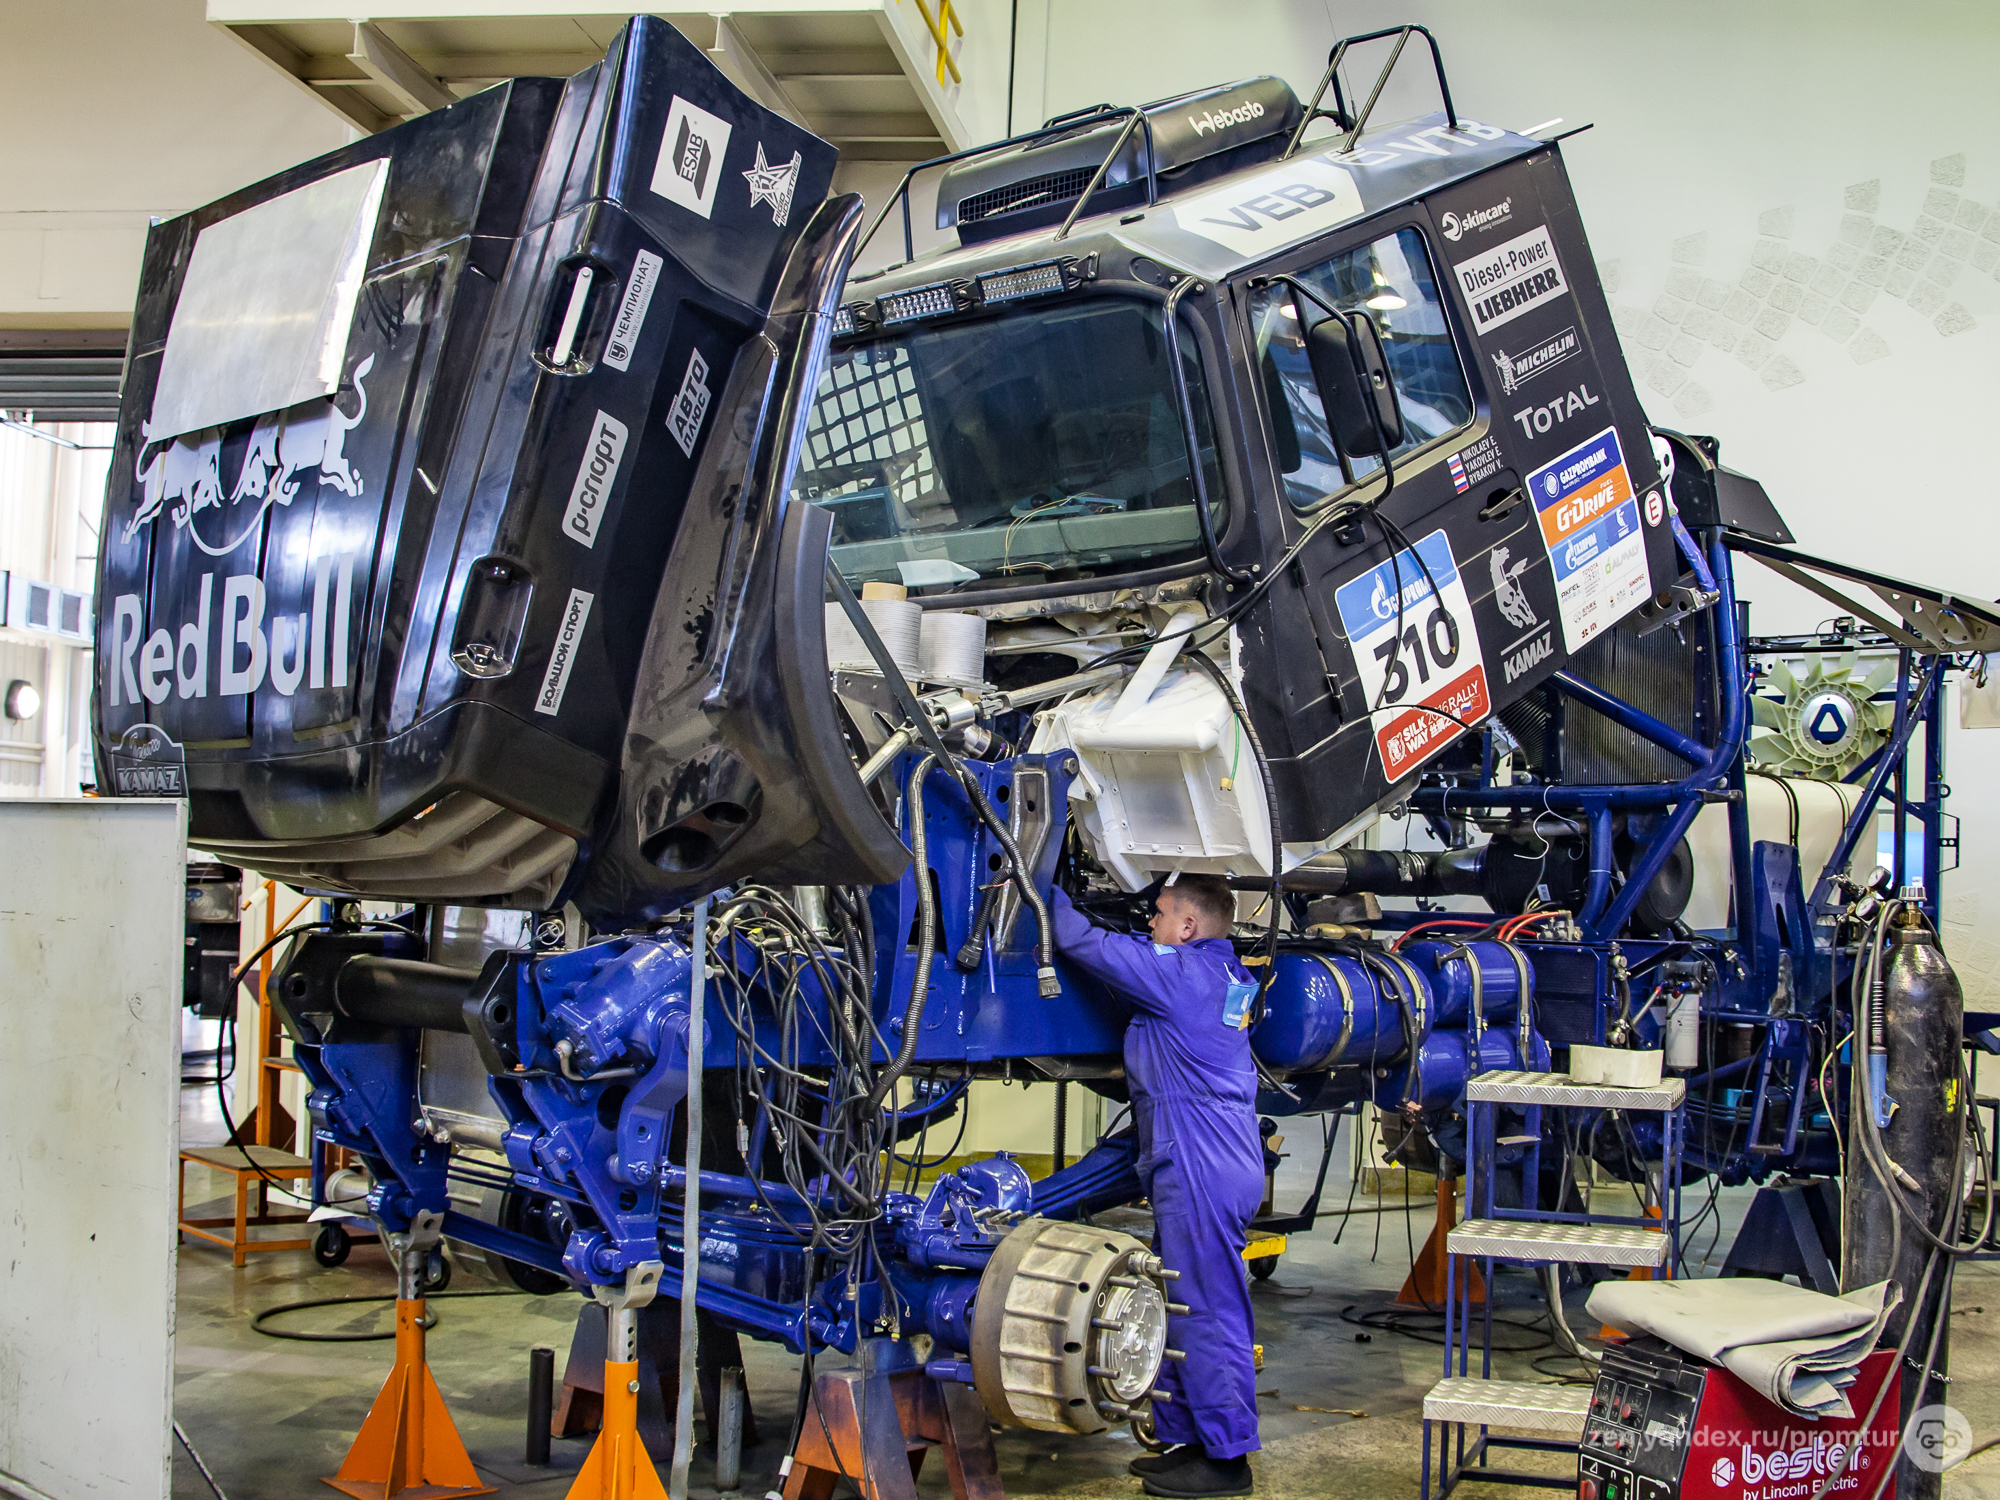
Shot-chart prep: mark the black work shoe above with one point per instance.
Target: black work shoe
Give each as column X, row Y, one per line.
column 1160, row 1463
column 1202, row 1478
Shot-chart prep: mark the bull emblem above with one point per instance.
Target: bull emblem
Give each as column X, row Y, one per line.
column 185, row 474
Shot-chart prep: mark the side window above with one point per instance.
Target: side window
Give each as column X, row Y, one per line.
column 1392, row 281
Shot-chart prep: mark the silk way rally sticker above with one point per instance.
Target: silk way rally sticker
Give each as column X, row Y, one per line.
column 1590, row 523
column 1419, row 664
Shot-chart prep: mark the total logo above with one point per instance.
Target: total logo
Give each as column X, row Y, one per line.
column 1455, row 226
column 1537, row 419
column 1243, row 114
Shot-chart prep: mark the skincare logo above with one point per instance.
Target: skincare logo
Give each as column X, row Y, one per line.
column 773, row 185
column 1243, row 114
column 691, row 152
column 1456, row 226
column 594, row 478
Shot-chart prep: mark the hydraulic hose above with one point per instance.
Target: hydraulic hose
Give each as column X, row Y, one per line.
column 920, row 982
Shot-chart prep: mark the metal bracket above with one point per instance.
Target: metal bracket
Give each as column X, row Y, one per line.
column 622, row 1304
column 410, row 1248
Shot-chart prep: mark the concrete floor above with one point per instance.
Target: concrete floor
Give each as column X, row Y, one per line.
column 270, row 1417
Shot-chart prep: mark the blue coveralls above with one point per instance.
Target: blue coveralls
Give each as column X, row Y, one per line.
column 1194, row 1091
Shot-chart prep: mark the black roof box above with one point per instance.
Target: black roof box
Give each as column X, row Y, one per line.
column 1193, row 137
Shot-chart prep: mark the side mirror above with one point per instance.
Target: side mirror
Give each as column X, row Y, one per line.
column 1352, row 373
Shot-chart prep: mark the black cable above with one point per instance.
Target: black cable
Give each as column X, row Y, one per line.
column 429, row 1321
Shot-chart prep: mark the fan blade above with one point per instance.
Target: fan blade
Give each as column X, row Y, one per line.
column 1768, row 713
column 1883, row 673
column 1780, row 679
column 1842, row 669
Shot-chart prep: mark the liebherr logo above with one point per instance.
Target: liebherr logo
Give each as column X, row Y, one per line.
column 1243, row 114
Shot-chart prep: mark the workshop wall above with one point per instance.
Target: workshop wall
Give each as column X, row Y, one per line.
column 1796, row 210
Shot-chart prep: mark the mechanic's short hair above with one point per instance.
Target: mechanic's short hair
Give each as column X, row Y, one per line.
column 1211, row 899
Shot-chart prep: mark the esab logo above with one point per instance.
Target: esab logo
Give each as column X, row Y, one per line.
column 1455, row 227
column 1509, row 279
column 691, row 151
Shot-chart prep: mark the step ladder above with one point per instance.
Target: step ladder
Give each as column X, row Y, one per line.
column 1467, row 1407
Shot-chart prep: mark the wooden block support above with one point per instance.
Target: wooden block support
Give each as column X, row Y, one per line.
column 877, row 1428
column 1425, row 1285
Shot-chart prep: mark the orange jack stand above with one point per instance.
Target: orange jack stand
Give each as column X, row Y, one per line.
column 1425, row 1285
column 619, row 1468
column 408, row 1447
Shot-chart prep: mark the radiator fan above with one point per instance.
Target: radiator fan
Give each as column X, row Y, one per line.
column 1823, row 723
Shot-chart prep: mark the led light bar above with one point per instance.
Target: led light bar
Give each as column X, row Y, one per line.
column 918, row 302
column 843, row 322
column 1022, row 281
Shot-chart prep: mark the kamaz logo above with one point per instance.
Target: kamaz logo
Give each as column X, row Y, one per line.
column 1539, row 650
column 1456, row 226
column 1243, row 114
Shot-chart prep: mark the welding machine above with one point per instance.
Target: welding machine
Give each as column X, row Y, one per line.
column 1665, row 1426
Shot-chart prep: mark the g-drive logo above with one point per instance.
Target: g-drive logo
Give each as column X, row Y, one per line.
column 568, row 637
column 1243, row 114
column 1455, row 227
column 594, row 478
column 690, row 160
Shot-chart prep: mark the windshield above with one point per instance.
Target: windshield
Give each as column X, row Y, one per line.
column 1391, row 281
column 1040, row 446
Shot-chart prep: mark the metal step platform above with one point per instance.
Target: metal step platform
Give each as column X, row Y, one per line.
column 1541, row 1240
column 1516, row 1087
column 1520, row 1404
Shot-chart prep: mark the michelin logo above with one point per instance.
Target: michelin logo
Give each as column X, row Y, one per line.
column 556, row 680
column 1243, row 114
column 1516, row 370
column 594, row 478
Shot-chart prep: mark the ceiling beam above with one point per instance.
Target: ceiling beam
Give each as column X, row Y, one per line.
column 739, row 60
column 398, row 72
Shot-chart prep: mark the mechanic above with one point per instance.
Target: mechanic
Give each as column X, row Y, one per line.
column 1193, row 1087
